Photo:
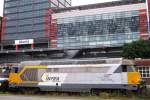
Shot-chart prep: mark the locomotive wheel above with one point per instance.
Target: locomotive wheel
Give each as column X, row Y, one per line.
column 95, row 92
column 4, row 86
column 129, row 93
column 142, row 91
column 29, row 90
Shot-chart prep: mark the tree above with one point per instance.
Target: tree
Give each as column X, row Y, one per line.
column 137, row 49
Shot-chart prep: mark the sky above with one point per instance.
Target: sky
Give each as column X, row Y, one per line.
column 74, row 3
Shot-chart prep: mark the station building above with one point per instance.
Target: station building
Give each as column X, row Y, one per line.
column 25, row 21
column 102, row 25
column 143, row 66
column 45, row 29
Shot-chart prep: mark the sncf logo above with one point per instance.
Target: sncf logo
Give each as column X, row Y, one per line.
column 52, row 78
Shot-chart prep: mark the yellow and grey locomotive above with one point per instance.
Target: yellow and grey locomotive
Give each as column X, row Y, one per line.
column 80, row 75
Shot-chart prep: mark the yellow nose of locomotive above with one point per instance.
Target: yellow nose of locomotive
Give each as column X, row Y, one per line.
column 14, row 78
column 134, row 78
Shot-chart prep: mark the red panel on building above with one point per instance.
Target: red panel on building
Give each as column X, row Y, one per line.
column 3, row 28
column 142, row 10
column 142, row 62
column 51, row 28
column 148, row 2
column 148, row 5
column 143, row 24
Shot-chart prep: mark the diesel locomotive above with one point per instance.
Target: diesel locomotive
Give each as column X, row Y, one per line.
column 76, row 75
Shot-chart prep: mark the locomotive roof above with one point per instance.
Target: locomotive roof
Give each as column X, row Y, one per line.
column 78, row 61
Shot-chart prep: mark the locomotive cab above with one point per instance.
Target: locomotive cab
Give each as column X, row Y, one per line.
column 134, row 77
column 4, row 75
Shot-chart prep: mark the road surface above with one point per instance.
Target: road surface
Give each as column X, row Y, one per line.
column 22, row 97
column 16, row 97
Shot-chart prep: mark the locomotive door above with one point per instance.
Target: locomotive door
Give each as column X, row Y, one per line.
column 58, row 86
column 124, row 77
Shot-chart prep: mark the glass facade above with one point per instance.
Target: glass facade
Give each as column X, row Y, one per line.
column 25, row 18
column 107, row 29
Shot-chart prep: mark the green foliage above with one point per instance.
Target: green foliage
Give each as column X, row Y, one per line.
column 137, row 49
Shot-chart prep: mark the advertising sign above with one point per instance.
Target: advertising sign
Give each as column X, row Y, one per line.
column 22, row 42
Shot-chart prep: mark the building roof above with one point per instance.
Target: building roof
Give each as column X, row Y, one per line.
column 98, row 5
column 142, row 62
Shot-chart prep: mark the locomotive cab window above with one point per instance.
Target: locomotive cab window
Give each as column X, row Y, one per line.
column 128, row 68
column 124, row 68
column 4, row 70
column 15, row 69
